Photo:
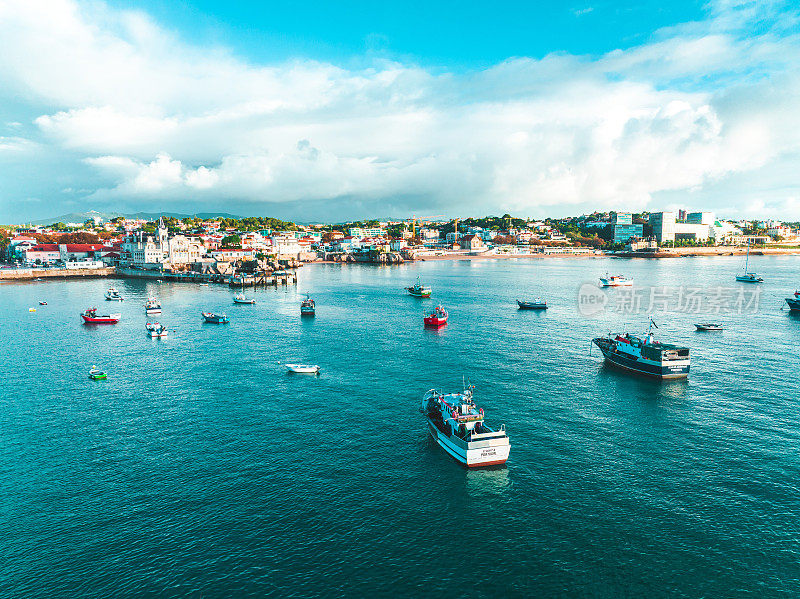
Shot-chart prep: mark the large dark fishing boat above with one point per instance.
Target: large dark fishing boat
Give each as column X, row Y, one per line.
column 645, row 355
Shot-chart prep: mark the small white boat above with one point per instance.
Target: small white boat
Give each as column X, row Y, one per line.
column 152, row 306
column 303, row 368
column 113, row 295
column 156, row 330
column 615, row 281
column 708, row 326
column 241, row 299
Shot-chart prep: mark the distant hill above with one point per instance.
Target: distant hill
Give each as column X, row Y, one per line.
column 79, row 217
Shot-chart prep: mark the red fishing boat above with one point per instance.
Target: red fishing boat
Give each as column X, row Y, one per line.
column 436, row 318
column 92, row 317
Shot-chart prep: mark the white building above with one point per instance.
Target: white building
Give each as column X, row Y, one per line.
column 144, row 250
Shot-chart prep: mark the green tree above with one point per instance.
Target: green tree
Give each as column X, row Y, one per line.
column 231, row 241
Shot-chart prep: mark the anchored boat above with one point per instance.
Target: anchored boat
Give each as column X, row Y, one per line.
column 457, row 425
column 537, row 304
column 96, row 374
column 644, row 355
column 152, row 306
column 241, row 299
column 215, row 318
column 615, row 281
column 303, row 368
column 156, row 330
column 419, row 290
column 748, row 277
column 708, row 326
column 113, row 295
column 90, row 316
column 308, row 307
column 436, row 318
column 794, row 302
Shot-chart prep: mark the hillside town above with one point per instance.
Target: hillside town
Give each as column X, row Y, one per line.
column 220, row 245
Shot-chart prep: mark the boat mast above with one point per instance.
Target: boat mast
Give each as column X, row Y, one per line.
column 747, row 259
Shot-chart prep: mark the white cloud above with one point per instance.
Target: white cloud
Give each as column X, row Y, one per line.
column 162, row 120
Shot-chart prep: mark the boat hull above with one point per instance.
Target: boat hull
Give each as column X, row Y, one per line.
column 419, row 293
column 745, row 279
column 531, row 306
column 479, row 454
column 794, row 304
column 631, row 364
column 435, row 323
column 99, row 319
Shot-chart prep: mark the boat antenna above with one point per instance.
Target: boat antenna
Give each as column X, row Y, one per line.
column 652, row 324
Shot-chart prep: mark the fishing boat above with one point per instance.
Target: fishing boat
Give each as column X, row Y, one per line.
column 419, row 290
column 303, row 368
column 156, row 330
column 113, row 295
column 708, row 326
column 42, row 303
column 215, row 318
column 794, row 302
column 748, row 277
column 152, row 306
column 457, row 426
column 537, row 304
column 90, row 316
column 435, row 318
column 615, row 281
column 241, row 299
column 645, row 355
column 308, row 307
column 96, row 374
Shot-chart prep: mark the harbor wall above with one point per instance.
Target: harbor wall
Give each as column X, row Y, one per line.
column 27, row 274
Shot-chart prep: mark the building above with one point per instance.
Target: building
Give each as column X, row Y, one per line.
column 624, row 229
column 623, row 218
column 666, row 228
column 642, row 245
column 471, row 242
column 361, row 232
column 145, row 250
column 700, row 218
column 50, row 253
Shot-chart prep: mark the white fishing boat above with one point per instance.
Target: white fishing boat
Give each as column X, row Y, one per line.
column 456, row 424
column 615, row 281
column 152, row 306
column 113, row 295
column 156, row 330
column 242, row 299
column 303, row 368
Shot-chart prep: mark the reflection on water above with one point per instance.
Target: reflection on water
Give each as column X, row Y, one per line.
column 487, row 481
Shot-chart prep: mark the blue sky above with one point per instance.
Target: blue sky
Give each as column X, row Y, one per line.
column 329, row 111
column 466, row 34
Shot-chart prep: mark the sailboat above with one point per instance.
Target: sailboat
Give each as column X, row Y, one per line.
column 748, row 277
column 241, row 298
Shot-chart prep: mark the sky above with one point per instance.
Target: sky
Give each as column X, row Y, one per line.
column 345, row 110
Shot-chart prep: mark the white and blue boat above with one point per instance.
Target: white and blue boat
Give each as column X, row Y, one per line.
column 215, row 318
column 645, row 355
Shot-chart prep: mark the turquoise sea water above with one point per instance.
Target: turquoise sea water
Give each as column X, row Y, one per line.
column 201, row 468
